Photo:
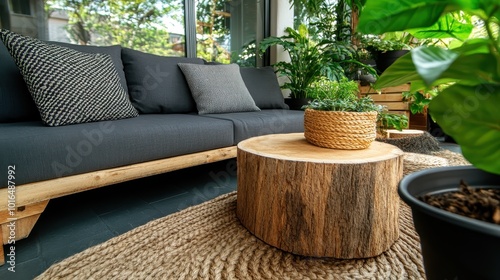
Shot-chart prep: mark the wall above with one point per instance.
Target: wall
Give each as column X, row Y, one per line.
column 281, row 17
column 56, row 24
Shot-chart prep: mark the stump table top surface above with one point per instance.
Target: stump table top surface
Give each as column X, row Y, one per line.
column 294, row 146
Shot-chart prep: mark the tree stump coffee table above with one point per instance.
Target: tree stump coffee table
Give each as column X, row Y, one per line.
column 320, row 202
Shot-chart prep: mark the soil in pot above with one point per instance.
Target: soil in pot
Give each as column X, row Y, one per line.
column 453, row 246
column 477, row 203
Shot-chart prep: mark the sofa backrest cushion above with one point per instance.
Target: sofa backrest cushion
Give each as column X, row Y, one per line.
column 156, row 84
column 69, row 86
column 16, row 103
column 264, row 87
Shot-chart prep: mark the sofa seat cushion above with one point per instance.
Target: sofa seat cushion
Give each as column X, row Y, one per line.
column 270, row 121
column 41, row 153
column 156, row 84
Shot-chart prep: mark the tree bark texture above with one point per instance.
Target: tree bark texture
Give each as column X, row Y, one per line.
column 317, row 201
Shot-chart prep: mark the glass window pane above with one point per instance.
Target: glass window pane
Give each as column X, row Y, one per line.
column 153, row 26
column 21, row 7
column 227, row 30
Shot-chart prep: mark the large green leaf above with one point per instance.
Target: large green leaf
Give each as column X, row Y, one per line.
column 417, row 85
column 477, row 45
column 489, row 7
column 470, row 115
column 402, row 71
column 447, row 26
column 379, row 16
column 431, row 62
column 433, row 66
column 484, row 69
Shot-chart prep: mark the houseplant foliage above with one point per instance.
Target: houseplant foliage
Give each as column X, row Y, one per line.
column 342, row 95
column 466, row 110
column 309, row 60
column 453, row 246
column 331, row 20
column 327, row 18
column 386, row 42
column 340, row 119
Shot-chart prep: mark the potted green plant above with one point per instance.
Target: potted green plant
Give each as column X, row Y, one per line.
column 309, row 61
column 338, row 118
column 386, row 48
column 419, row 102
column 453, row 246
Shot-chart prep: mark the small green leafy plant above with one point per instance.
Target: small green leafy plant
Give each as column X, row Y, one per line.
column 380, row 44
column 329, row 89
column 388, row 120
column 363, row 104
column 343, row 96
column 420, row 100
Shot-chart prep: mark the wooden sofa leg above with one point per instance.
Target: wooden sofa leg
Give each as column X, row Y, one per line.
column 19, row 225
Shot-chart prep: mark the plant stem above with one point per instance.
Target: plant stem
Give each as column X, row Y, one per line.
column 495, row 48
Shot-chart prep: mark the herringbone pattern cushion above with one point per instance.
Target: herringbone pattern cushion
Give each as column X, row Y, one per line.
column 68, row 86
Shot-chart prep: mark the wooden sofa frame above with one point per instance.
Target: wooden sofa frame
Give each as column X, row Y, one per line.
column 31, row 199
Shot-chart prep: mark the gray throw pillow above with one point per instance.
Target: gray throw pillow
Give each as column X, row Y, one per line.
column 218, row 88
column 69, row 86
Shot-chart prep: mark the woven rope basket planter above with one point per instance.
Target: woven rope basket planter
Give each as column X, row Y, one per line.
column 340, row 130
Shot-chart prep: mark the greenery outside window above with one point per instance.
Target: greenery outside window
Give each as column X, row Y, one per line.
column 227, row 31
column 146, row 25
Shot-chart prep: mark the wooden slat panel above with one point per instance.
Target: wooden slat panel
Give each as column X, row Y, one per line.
column 418, row 127
column 396, row 106
column 418, row 121
column 384, row 97
column 406, row 113
column 401, row 88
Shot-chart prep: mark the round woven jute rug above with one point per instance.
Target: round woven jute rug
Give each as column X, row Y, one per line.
column 208, row 242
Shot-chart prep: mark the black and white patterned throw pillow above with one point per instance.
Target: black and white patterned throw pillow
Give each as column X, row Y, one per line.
column 68, row 86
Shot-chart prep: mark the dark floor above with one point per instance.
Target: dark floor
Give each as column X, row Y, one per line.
column 73, row 223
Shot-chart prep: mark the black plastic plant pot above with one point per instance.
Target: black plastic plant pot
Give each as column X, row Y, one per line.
column 387, row 58
column 453, row 246
column 297, row 103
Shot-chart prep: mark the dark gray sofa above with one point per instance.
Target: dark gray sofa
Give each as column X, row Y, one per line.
column 168, row 134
